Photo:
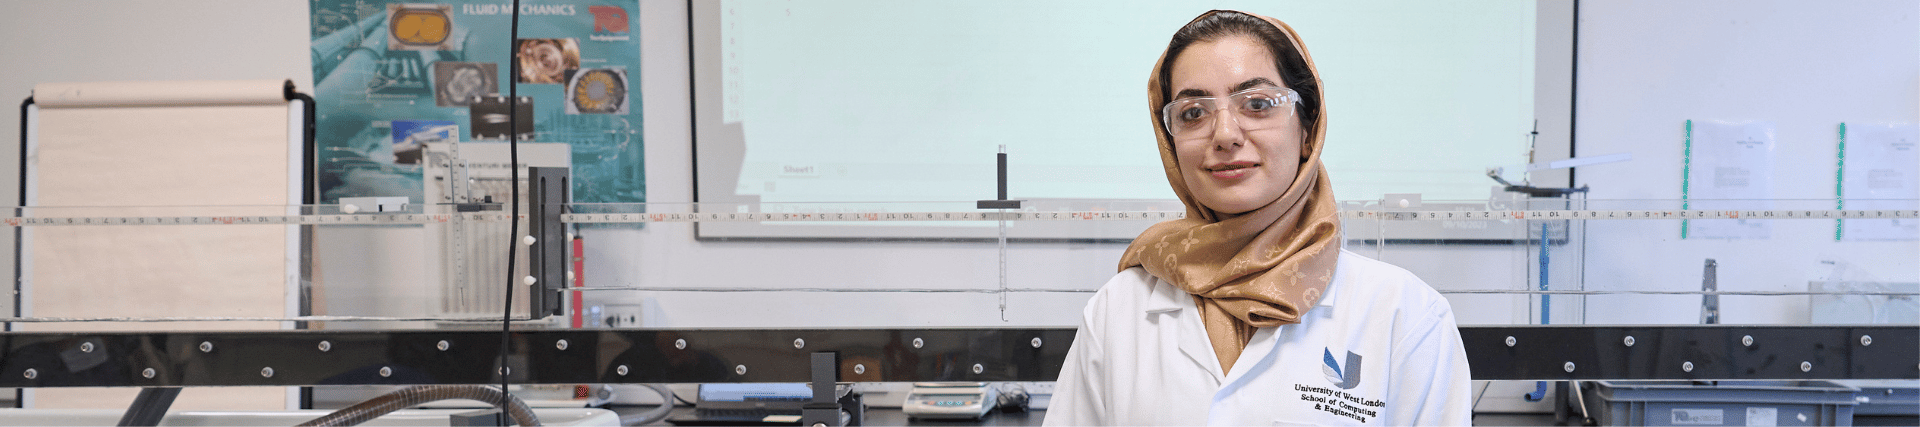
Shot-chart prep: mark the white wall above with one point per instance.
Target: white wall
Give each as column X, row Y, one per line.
column 108, row 40
column 1648, row 66
column 1644, row 67
column 105, row 40
column 95, row 40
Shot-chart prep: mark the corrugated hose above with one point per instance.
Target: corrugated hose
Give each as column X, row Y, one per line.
column 414, row 396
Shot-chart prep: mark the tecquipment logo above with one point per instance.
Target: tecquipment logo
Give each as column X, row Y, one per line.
column 1347, row 378
column 1710, row 417
column 609, row 23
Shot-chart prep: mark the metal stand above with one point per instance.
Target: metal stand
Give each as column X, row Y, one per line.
column 150, row 406
column 1560, row 402
column 547, row 190
column 1001, row 181
column 1709, row 303
column 824, row 409
column 1001, row 204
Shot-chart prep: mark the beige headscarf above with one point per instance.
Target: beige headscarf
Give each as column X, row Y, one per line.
column 1264, row 268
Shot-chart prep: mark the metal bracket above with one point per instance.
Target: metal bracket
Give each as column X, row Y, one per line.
column 566, row 356
column 1001, row 182
column 625, row 356
column 1710, row 352
column 824, row 409
column 1709, row 303
column 547, row 192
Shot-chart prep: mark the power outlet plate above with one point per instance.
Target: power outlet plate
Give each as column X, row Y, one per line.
column 613, row 316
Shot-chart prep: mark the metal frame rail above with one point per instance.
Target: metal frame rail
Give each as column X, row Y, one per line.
column 164, row 361
column 575, row 356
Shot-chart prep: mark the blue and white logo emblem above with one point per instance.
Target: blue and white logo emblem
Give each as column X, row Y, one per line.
column 1344, row 378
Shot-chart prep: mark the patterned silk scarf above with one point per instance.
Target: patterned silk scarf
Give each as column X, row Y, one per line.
column 1263, row 268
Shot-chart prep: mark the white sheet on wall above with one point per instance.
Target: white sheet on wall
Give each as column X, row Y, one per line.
column 160, row 149
column 150, row 161
column 1729, row 166
column 1879, row 169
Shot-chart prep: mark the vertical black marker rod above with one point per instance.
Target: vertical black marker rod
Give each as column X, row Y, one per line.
column 1002, row 179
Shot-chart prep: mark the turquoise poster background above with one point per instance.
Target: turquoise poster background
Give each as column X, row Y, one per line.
column 392, row 76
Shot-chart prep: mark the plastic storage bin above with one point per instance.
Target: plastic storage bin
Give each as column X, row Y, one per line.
column 1727, row 403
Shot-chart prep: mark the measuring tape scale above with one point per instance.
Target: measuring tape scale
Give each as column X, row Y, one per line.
column 363, row 219
column 620, row 218
column 1163, row 215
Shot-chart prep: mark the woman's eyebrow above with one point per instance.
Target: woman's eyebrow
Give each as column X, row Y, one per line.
column 1253, row 83
column 1190, row 93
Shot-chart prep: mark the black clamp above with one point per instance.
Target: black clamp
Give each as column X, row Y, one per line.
column 1002, row 202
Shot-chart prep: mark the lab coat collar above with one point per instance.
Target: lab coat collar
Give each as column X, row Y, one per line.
column 1166, row 300
column 1253, row 359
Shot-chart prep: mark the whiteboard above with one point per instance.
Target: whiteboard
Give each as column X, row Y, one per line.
column 879, row 101
column 163, row 149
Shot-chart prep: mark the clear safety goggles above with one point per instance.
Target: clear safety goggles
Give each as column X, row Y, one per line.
column 1257, row 109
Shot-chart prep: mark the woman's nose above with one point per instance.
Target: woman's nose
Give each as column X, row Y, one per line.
column 1226, row 131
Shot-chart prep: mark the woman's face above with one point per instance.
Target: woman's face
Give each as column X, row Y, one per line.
column 1234, row 171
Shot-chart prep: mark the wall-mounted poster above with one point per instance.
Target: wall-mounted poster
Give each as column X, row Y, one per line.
column 390, row 76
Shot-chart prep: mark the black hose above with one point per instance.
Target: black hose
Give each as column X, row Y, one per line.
column 417, row 395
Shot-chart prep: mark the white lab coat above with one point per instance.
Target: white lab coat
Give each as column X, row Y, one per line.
column 1141, row 357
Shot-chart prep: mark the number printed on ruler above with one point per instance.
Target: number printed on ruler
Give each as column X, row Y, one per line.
column 376, row 219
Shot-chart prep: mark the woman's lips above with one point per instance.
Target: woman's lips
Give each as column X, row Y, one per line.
column 1232, row 170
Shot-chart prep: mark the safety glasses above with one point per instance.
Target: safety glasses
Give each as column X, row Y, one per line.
column 1256, row 109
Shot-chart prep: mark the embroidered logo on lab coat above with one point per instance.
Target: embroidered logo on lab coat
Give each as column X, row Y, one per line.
column 1344, row 378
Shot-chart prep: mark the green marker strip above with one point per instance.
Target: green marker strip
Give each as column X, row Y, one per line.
column 1686, row 172
column 1839, row 182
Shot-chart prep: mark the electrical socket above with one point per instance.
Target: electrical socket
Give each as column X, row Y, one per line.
column 613, row 316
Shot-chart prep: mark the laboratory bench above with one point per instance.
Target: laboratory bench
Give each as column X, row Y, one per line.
column 893, row 417
column 884, row 417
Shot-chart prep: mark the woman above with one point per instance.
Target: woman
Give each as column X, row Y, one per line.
column 1247, row 312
